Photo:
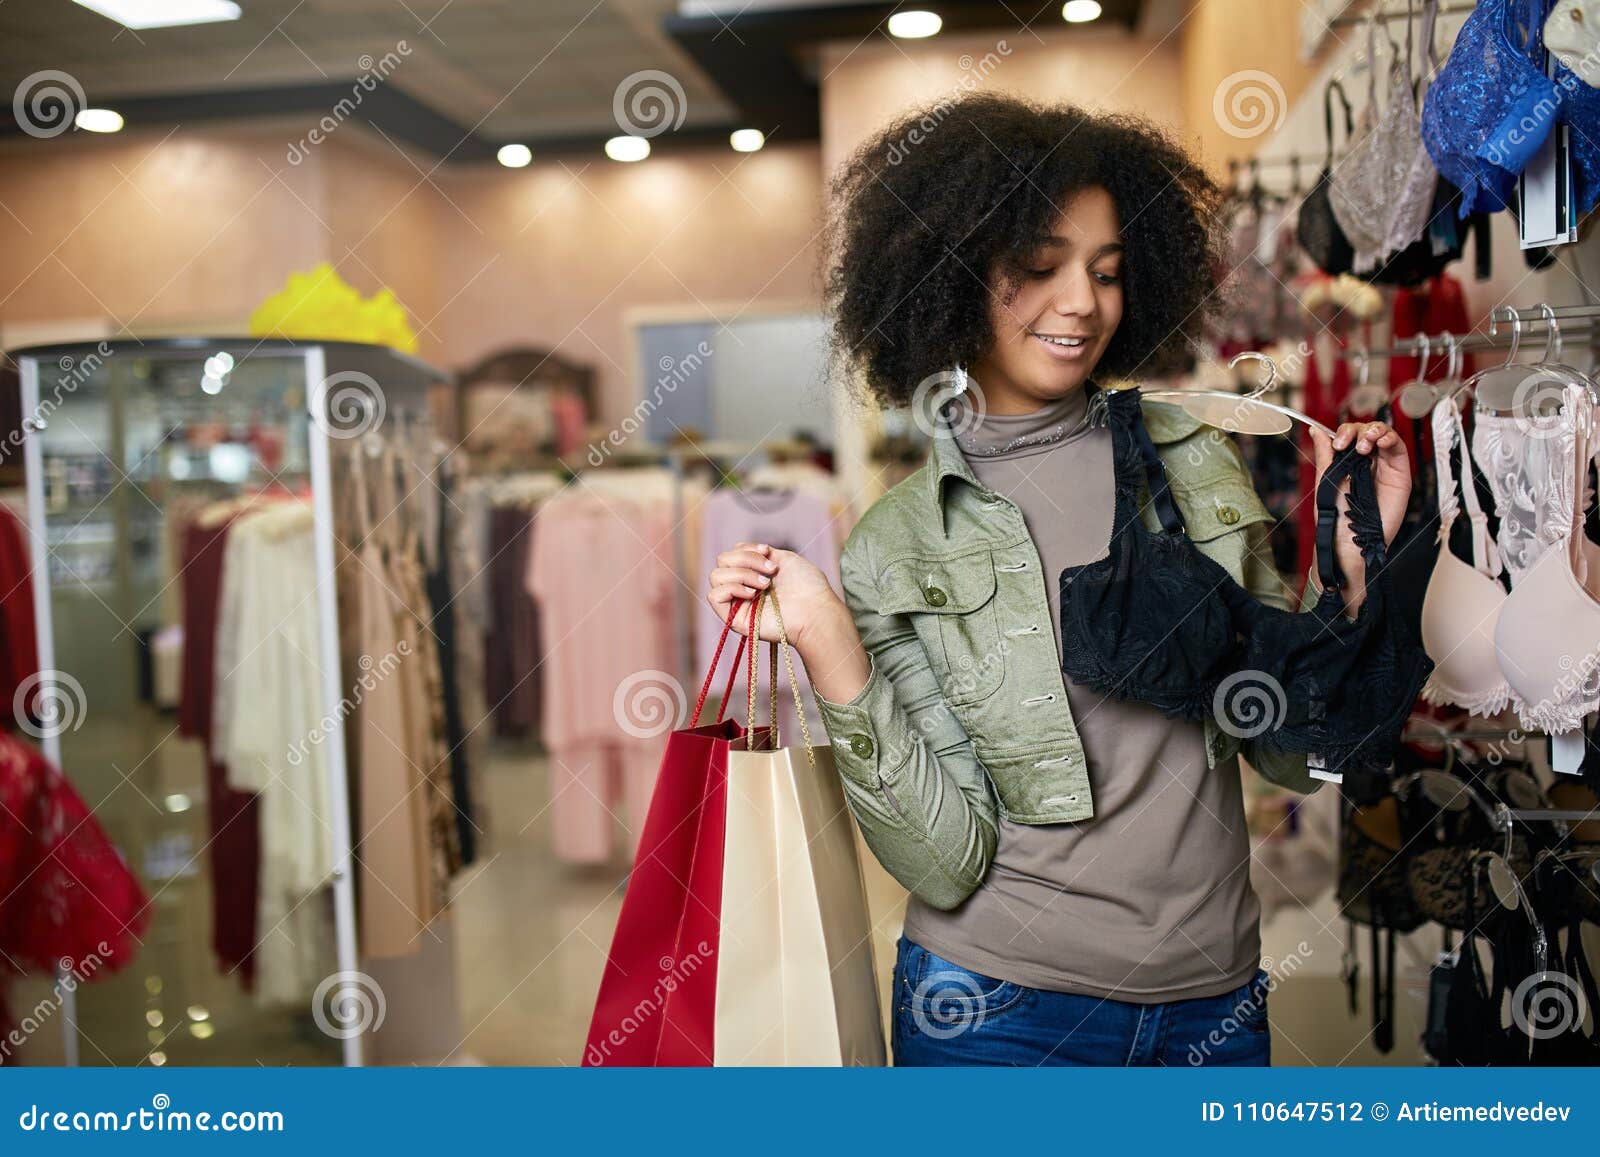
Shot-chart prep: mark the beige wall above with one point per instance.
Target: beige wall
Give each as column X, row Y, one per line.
column 189, row 232
column 867, row 84
column 558, row 254
column 1232, row 114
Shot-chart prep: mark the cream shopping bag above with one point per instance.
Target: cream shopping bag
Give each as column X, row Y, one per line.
column 795, row 975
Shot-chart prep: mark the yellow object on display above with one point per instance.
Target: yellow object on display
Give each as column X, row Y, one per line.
column 322, row 305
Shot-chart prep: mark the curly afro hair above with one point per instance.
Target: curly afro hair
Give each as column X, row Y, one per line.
column 947, row 202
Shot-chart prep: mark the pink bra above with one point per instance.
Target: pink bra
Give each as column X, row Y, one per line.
column 1463, row 603
column 1547, row 637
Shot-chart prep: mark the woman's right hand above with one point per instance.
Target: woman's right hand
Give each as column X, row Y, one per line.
column 805, row 597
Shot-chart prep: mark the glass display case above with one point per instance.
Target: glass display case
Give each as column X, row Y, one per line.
column 125, row 443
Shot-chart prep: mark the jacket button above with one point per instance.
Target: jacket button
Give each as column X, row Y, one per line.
column 935, row 597
column 1228, row 515
column 861, row 746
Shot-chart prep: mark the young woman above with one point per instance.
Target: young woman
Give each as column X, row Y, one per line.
column 1079, row 865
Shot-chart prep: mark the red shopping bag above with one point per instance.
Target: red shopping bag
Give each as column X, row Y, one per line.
column 658, row 994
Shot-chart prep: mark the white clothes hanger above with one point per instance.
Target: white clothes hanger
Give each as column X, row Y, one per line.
column 1240, row 413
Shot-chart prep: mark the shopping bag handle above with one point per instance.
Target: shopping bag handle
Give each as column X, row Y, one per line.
column 722, row 639
column 738, row 654
column 772, row 667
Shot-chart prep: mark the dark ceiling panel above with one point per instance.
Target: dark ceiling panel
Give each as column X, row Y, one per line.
column 557, row 59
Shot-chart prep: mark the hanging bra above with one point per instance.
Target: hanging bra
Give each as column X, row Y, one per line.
column 1156, row 621
column 1529, row 473
column 1463, row 602
column 1414, row 188
column 1383, row 192
column 1362, row 185
column 1476, row 117
column 1316, row 228
column 1548, row 634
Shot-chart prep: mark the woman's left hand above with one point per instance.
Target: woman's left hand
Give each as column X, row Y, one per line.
column 1391, row 474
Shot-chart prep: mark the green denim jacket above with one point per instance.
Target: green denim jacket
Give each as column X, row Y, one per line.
column 964, row 716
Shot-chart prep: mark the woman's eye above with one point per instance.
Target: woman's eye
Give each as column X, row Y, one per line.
column 1108, row 278
column 1040, row 273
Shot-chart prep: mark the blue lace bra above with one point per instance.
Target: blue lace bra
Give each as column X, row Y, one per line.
column 1491, row 107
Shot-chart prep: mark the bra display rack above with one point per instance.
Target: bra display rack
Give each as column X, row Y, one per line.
column 1505, row 332
column 1503, row 389
column 1505, row 817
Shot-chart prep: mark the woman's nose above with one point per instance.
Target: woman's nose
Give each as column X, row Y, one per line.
column 1074, row 297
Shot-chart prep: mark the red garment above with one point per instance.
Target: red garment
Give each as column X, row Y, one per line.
column 234, row 843
column 1434, row 307
column 67, row 899
column 19, row 650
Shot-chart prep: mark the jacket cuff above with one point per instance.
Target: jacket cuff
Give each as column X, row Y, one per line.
column 870, row 735
column 1312, row 592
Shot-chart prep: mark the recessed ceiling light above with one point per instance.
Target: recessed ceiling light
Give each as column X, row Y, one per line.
column 98, row 120
column 627, row 148
column 747, row 140
column 1080, row 11
column 915, row 24
column 514, row 156
column 163, row 13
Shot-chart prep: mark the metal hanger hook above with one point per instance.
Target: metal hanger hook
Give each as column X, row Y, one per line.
column 1424, row 351
column 1364, row 362
column 1452, row 366
column 1516, row 329
column 1255, row 356
column 1552, row 336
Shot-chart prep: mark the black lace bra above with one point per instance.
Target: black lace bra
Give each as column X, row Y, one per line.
column 1158, row 622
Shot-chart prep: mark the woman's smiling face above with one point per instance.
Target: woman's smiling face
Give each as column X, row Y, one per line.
column 1050, row 334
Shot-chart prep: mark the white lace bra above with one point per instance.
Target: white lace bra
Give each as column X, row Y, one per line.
column 1547, row 637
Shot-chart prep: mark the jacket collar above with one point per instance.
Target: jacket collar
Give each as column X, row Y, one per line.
column 1165, row 423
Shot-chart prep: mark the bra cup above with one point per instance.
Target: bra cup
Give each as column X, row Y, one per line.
column 1548, row 637
column 1546, row 641
column 1459, row 614
column 1111, row 641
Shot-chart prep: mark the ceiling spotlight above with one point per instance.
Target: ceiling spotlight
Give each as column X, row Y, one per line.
column 514, row 156
column 627, row 148
column 98, row 120
column 1080, row 11
column 163, row 13
column 747, row 140
column 915, row 24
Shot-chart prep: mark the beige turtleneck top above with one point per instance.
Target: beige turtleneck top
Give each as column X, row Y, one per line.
column 1150, row 900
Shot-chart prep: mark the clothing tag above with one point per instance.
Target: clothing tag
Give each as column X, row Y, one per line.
column 1544, row 190
column 1566, row 752
column 1317, row 767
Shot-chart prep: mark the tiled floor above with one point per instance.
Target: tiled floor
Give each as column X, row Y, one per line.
column 533, row 935
column 529, row 937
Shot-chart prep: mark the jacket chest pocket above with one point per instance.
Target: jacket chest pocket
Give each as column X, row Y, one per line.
column 951, row 602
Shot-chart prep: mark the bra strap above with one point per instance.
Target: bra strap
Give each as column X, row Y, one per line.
column 1581, row 407
column 1155, row 472
column 1327, row 118
column 1363, row 504
column 1448, row 432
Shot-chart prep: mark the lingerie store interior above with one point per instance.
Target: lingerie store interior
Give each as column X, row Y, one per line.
column 399, row 300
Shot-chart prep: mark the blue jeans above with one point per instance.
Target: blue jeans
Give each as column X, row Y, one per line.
column 948, row 1015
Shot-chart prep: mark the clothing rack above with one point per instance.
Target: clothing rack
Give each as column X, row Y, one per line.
column 1505, row 817
column 1501, row 333
column 674, row 459
column 1393, row 14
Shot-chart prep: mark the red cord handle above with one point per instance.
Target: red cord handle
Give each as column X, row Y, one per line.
column 705, row 687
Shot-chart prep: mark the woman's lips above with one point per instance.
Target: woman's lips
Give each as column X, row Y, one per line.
column 1065, row 348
